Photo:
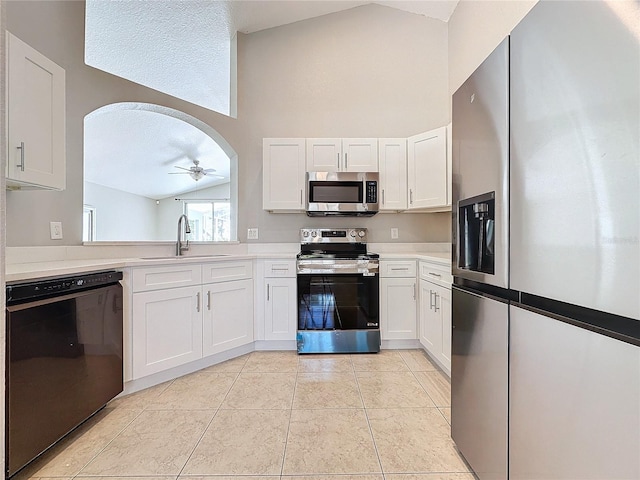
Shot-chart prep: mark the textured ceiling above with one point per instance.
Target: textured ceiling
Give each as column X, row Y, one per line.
column 137, row 151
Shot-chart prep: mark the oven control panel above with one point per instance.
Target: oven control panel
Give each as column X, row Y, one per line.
column 329, row 235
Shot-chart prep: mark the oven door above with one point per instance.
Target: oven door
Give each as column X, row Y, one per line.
column 338, row 313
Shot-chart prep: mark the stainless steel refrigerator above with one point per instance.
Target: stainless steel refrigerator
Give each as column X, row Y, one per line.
column 546, row 251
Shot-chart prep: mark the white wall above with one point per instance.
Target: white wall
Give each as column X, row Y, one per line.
column 121, row 215
column 370, row 71
column 475, row 29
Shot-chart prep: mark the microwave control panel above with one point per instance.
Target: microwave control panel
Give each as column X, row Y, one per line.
column 372, row 191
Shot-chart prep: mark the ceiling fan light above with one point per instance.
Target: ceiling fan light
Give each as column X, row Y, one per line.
column 196, row 175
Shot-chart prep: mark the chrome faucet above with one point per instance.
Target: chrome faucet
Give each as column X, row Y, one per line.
column 180, row 247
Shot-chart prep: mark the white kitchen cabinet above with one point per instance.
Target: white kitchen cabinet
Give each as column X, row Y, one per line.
column 283, row 174
column 392, row 162
column 35, row 119
column 427, row 169
column 398, row 300
column 280, row 300
column 177, row 319
column 227, row 315
column 398, row 309
column 342, row 154
column 435, row 313
column 166, row 329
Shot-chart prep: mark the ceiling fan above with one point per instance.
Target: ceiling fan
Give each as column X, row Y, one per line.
column 196, row 171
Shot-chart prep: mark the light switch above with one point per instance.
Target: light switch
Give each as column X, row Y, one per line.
column 394, row 233
column 56, row 230
column 252, row 234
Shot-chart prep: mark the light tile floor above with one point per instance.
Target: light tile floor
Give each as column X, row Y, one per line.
column 270, row 415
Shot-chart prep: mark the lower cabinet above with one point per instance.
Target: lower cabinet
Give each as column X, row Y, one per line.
column 435, row 321
column 227, row 320
column 398, row 308
column 167, row 329
column 280, row 309
column 174, row 325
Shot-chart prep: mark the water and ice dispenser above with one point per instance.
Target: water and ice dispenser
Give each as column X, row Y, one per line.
column 476, row 217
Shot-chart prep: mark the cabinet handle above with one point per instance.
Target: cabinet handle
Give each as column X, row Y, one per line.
column 435, row 302
column 267, row 292
column 346, row 161
column 300, row 196
column 280, row 269
column 208, row 299
column 435, row 274
column 21, row 164
column 198, row 302
column 404, row 269
column 411, row 196
column 338, row 161
column 414, row 291
column 383, row 196
column 430, row 299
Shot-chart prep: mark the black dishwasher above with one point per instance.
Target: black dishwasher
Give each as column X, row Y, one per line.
column 64, row 359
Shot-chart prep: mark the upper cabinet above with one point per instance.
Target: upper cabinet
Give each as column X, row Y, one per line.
column 342, row 154
column 392, row 160
column 35, row 119
column 428, row 171
column 283, row 173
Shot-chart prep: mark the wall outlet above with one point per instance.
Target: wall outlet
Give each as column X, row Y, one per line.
column 252, row 234
column 56, row 230
column 394, row 233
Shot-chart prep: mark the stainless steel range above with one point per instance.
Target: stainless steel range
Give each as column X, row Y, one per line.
column 338, row 292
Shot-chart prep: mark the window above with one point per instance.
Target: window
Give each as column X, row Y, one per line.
column 88, row 223
column 208, row 220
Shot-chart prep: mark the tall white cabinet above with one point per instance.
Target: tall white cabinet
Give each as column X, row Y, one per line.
column 392, row 161
column 283, row 174
column 427, row 166
column 35, row 119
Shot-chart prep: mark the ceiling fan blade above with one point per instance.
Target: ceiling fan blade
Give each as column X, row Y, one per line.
column 213, row 175
column 209, row 170
column 179, row 173
column 182, row 168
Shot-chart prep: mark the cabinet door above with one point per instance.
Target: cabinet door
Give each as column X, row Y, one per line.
column 35, row 117
column 443, row 303
column 167, row 330
column 324, row 154
column 283, row 175
column 360, row 154
column 430, row 319
column 392, row 162
column 398, row 309
column 280, row 309
column 427, row 167
column 227, row 321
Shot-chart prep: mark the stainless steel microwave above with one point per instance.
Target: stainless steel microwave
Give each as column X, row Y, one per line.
column 342, row 194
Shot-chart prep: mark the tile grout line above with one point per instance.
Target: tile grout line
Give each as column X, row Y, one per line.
column 293, row 396
column 212, row 418
column 366, row 416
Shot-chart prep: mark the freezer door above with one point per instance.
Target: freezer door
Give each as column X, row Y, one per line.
column 574, row 402
column 575, row 157
column 480, row 157
column 479, row 376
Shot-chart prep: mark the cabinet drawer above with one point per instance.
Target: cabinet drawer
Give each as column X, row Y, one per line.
column 156, row 278
column 398, row 268
column 226, row 271
column 437, row 273
column 280, row 268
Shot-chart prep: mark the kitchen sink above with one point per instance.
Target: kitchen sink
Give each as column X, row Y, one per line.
column 183, row 257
